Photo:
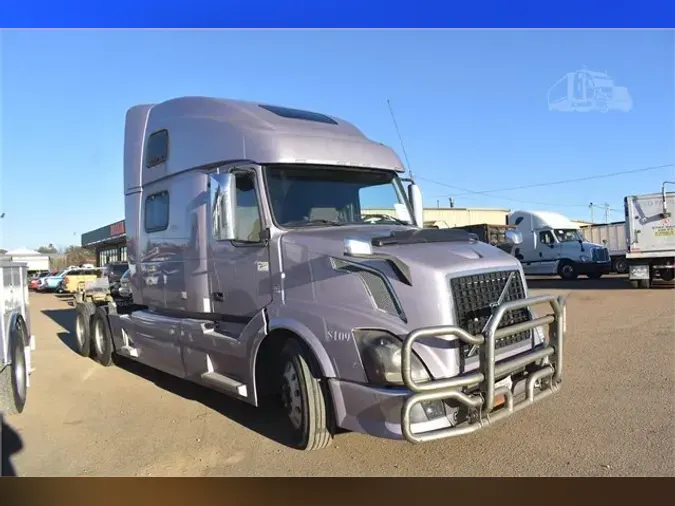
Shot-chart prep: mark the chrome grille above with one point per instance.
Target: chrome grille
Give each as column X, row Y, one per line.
column 472, row 296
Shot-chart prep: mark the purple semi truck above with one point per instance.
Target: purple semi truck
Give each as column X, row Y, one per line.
column 256, row 270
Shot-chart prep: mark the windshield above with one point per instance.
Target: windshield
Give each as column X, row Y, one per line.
column 568, row 235
column 304, row 196
column 118, row 270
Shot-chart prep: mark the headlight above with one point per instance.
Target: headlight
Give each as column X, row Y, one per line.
column 584, row 258
column 381, row 357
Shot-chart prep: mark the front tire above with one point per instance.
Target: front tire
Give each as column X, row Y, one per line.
column 304, row 399
column 567, row 271
column 101, row 335
column 14, row 377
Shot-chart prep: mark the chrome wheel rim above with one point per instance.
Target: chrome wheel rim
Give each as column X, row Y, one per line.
column 98, row 338
column 567, row 270
column 290, row 395
column 79, row 329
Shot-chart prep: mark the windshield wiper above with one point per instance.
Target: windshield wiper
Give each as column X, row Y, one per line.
column 313, row 222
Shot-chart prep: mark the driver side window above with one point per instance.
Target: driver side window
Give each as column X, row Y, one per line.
column 546, row 237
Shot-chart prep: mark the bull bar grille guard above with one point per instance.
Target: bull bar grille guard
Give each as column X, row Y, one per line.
column 549, row 374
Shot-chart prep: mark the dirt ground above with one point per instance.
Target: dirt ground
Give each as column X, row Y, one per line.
column 613, row 417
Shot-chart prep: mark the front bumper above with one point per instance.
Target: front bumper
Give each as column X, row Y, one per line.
column 468, row 402
column 476, row 392
column 593, row 267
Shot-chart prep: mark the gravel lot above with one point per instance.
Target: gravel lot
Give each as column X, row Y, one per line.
column 613, row 417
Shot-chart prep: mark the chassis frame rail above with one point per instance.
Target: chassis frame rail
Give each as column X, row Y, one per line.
column 549, row 375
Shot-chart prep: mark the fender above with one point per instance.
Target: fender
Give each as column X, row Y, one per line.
column 304, row 333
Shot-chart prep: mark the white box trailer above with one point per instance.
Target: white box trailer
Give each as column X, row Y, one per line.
column 650, row 227
column 613, row 236
column 16, row 340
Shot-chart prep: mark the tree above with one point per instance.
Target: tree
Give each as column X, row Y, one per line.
column 47, row 250
column 76, row 255
column 2, row 251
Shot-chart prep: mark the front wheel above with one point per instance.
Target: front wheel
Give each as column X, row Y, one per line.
column 567, row 271
column 304, row 399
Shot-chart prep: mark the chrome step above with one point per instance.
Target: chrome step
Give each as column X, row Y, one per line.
column 225, row 383
column 128, row 350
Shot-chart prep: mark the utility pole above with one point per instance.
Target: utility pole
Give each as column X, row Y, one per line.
column 606, row 212
column 590, row 206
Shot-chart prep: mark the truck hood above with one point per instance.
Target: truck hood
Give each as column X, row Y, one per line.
column 425, row 298
column 446, row 258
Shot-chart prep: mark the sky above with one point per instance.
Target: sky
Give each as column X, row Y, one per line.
column 471, row 106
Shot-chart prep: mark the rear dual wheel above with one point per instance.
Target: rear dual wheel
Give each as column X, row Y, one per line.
column 83, row 320
column 101, row 336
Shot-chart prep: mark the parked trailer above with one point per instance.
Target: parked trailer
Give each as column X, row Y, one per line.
column 16, row 340
column 613, row 236
column 495, row 235
column 651, row 237
column 254, row 272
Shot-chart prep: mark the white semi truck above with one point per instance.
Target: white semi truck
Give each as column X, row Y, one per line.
column 651, row 237
column 613, row 236
column 553, row 244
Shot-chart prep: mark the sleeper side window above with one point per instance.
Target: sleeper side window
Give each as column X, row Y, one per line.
column 157, row 212
column 248, row 225
column 157, row 148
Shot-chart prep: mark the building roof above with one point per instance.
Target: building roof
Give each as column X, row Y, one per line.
column 24, row 252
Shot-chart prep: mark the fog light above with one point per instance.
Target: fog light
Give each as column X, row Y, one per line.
column 433, row 409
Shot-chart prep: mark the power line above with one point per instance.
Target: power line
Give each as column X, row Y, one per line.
column 564, row 181
column 506, row 198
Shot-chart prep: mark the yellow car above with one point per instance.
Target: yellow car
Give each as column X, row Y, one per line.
column 77, row 277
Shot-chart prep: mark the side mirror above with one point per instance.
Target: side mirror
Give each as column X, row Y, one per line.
column 223, row 206
column 415, row 197
column 514, row 237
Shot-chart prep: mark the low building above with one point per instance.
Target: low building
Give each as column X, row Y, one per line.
column 456, row 216
column 109, row 243
column 36, row 261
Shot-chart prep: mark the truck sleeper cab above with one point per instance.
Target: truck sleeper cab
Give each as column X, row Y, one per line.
column 256, row 270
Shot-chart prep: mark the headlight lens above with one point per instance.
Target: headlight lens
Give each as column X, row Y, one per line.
column 381, row 357
column 584, row 258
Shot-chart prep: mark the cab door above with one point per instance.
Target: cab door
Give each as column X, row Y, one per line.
column 546, row 253
column 240, row 285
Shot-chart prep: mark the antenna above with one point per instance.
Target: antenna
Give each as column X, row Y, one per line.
column 407, row 162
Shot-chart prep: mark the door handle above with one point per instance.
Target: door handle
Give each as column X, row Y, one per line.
column 217, row 296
